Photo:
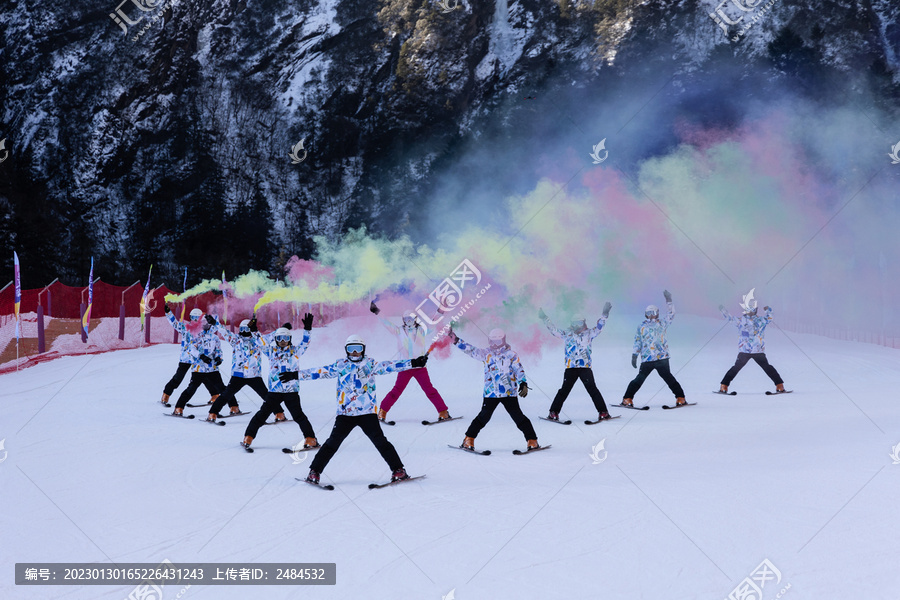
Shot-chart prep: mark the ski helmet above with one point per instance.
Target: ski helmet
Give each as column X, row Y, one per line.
column 497, row 338
column 355, row 344
column 244, row 329
column 196, row 314
column 579, row 322
column 409, row 318
column 283, row 337
column 651, row 312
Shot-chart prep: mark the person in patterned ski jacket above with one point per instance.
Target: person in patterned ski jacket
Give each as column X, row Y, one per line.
column 357, row 403
column 504, row 376
column 206, row 356
column 411, row 343
column 751, row 344
column 184, row 358
column 284, row 363
column 578, row 340
column 651, row 346
column 246, row 367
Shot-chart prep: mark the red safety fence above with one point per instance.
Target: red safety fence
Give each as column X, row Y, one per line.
column 51, row 317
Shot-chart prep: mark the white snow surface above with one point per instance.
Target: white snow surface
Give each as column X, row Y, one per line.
column 685, row 505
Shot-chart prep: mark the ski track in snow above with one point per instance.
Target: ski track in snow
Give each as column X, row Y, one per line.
column 685, row 505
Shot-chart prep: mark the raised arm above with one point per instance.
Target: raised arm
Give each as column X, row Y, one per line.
column 327, row 372
column 178, row 325
column 670, row 307
column 728, row 316
column 392, row 366
column 554, row 330
column 477, row 353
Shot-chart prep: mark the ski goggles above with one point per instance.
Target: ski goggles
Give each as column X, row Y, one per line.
column 244, row 329
column 193, row 318
column 281, row 338
column 351, row 348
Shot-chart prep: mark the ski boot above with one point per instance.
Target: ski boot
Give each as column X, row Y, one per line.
column 468, row 443
column 532, row 444
column 680, row 401
column 165, row 399
column 246, row 442
column 313, row 477
column 723, row 389
column 235, row 410
column 399, row 475
column 382, row 415
column 211, row 418
column 444, row 415
column 553, row 417
column 178, row 411
column 213, row 398
column 280, row 418
column 604, row 416
column 627, row 402
column 310, row 442
column 779, row 387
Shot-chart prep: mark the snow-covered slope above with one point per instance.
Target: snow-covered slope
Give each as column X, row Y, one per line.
column 685, row 504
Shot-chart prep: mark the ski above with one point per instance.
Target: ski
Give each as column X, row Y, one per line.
column 211, row 422
column 229, row 415
column 439, row 421
column 725, row 393
column 472, row 451
column 632, row 407
column 556, row 421
column 378, row 486
column 183, row 416
column 768, row 393
column 327, row 486
column 387, row 422
column 678, row 405
column 279, row 422
column 246, row 448
column 199, row 405
column 291, row 450
column 166, row 404
column 600, row 420
column 530, row 450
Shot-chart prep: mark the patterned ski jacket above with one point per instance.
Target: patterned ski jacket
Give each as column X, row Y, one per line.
column 578, row 345
column 356, row 382
column 246, row 358
column 206, row 342
column 503, row 372
column 185, row 355
column 650, row 340
column 753, row 331
column 283, row 360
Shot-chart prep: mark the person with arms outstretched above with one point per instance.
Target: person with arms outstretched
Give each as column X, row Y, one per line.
column 751, row 343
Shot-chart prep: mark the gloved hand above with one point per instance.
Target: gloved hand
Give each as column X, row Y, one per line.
column 210, row 319
column 523, row 389
column 721, row 307
column 668, row 295
column 206, row 359
column 166, row 308
column 634, row 360
column 374, row 309
column 254, row 328
column 288, row 376
column 541, row 314
column 287, row 326
column 307, row 321
column 453, row 337
column 218, row 361
column 606, row 308
column 767, row 308
column 419, row 361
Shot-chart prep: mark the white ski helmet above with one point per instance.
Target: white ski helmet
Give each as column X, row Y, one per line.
column 244, row 328
column 578, row 321
column 497, row 338
column 355, row 343
column 282, row 332
column 651, row 312
column 409, row 318
column 196, row 313
column 245, row 323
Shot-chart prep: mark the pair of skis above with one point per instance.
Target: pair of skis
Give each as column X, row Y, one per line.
column 392, row 423
column 372, row 486
column 517, row 452
column 587, row 422
column 768, row 393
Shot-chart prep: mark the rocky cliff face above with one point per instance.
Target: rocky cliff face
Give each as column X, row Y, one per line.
column 162, row 132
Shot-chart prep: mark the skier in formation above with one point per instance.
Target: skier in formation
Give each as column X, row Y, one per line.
column 356, row 404
column 578, row 341
column 206, row 355
column 246, row 367
column 184, row 359
column 650, row 344
column 284, row 363
column 411, row 342
column 752, row 343
column 503, row 377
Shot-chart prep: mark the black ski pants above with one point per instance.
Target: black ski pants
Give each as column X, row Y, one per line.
column 210, row 380
column 273, row 404
column 235, row 384
column 660, row 366
column 370, row 426
column 743, row 358
column 587, row 378
column 511, row 404
column 177, row 378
